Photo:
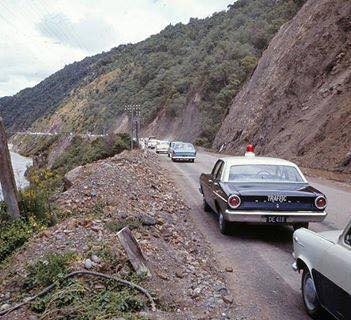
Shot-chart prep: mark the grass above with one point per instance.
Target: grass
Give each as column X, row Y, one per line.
column 80, row 298
column 115, row 226
column 51, row 269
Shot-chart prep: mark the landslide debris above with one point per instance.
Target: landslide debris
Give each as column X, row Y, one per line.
column 297, row 104
column 128, row 189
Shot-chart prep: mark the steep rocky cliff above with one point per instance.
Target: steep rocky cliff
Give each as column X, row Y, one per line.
column 297, row 103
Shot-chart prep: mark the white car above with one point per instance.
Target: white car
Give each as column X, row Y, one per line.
column 152, row 143
column 162, row 147
column 325, row 261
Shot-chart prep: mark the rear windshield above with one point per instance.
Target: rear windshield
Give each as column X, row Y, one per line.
column 264, row 173
column 184, row 146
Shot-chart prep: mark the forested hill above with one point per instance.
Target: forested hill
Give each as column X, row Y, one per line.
column 185, row 77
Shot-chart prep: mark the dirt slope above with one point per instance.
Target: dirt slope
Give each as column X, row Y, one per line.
column 297, row 104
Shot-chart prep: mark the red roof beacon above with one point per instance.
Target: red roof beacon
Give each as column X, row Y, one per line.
column 250, row 151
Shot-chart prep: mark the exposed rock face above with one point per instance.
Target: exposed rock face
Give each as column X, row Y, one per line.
column 297, row 104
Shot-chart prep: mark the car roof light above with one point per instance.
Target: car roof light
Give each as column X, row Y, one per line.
column 250, row 151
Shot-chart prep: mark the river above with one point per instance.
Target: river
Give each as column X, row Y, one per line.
column 20, row 165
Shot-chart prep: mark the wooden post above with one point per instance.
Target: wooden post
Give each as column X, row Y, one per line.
column 7, row 177
column 135, row 255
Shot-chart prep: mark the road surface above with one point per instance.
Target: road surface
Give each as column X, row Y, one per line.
column 262, row 283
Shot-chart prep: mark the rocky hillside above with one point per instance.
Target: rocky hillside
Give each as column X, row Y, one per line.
column 297, row 103
column 184, row 77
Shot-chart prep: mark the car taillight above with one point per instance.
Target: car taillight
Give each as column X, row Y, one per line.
column 320, row 202
column 234, row 201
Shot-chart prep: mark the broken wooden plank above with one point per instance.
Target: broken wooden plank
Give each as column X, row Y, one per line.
column 132, row 248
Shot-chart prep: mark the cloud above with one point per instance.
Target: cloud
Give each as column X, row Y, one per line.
column 91, row 33
column 39, row 37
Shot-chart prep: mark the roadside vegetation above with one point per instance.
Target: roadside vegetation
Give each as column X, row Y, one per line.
column 82, row 151
column 37, row 211
column 37, row 205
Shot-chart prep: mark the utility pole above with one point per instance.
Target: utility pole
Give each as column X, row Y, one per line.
column 137, row 125
column 7, row 177
column 134, row 111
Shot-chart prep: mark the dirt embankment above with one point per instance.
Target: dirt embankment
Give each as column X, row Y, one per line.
column 297, row 104
column 130, row 189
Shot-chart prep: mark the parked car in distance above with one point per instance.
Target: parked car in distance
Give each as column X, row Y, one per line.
column 260, row 190
column 325, row 261
column 171, row 146
column 183, row 151
column 152, row 142
column 162, row 147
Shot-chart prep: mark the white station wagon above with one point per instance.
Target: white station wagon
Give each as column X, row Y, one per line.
column 325, row 259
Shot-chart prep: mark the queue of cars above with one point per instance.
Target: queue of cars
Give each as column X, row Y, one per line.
column 176, row 150
column 274, row 191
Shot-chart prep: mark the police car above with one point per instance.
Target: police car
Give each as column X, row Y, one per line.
column 260, row 190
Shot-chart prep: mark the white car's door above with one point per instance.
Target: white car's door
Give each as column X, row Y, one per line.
column 333, row 277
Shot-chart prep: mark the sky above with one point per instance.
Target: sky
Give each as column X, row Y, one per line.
column 39, row 37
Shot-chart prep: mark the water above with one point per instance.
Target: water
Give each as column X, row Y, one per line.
column 20, row 165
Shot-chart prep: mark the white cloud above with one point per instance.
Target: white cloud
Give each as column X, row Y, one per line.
column 38, row 37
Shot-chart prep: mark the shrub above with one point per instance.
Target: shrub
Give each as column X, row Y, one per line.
column 36, row 211
column 82, row 151
column 48, row 270
column 14, row 234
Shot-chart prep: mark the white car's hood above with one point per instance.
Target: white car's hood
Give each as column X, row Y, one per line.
column 332, row 236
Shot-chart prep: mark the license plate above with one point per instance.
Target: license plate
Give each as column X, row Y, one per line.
column 276, row 219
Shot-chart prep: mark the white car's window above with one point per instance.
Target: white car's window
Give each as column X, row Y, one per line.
column 264, row 173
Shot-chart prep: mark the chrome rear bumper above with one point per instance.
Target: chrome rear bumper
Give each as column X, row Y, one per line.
column 183, row 158
column 261, row 216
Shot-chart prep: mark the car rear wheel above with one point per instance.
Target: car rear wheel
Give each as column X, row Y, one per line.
column 301, row 225
column 309, row 295
column 206, row 206
column 224, row 225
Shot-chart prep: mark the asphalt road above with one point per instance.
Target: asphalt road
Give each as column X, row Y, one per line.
column 262, row 283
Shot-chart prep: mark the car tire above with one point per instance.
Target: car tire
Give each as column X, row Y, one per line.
column 206, row 206
column 224, row 225
column 309, row 295
column 301, row 225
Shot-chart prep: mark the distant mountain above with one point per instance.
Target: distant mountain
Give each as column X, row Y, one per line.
column 184, row 78
column 297, row 104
